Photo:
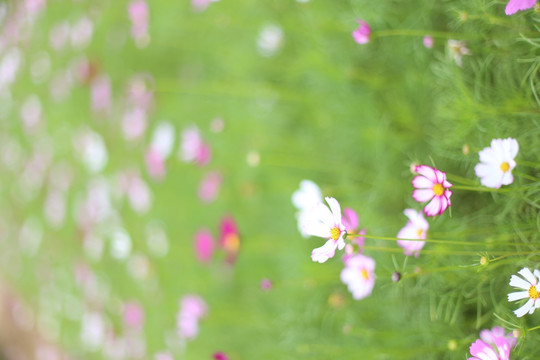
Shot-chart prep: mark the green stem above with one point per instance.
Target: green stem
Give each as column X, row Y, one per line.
column 438, row 241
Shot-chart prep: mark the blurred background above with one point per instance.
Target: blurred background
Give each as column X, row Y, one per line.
column 149, row 151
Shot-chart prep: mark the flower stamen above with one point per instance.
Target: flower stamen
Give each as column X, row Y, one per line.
column 533, row 292
column 505, row 166
column 438, row 189
column 335, row 232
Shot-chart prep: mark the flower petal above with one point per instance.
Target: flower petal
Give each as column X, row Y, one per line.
column 518, row 282
column 423, row 195
column 518, row 295
column 525, row 308
column 336, row 209
column 433, row 207
column 422, row 182
column 324, row 252
column 426, row 171
column 528, row 275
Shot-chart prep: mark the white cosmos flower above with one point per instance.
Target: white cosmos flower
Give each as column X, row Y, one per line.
column 497, row 162
column 530, row 291
column 326, row 223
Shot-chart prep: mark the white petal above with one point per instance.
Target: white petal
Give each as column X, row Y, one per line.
column 323, row 214
column 336, row 210
column 489, row 156
column 518, row 295
column 528, row 275
column 317, row 229
column 324, row 252
column 423, row 195
column 518, row 282
column 525, row 308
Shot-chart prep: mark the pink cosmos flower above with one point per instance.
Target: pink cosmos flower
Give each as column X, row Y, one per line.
column 359, row 276
column 326, row 223
column 492, row 345
column 138, row 14
column 204, row 245
column 192, row 308
column 229, row 239
column 133, row 315
column 266, row 284
column 220, row 356
column 209, row 186
column 529, row 290
column 350, row 221
column 134, row 123
column 101, row 94
column 428, row 41
column 155, row 163
column 514, row 6
column 193, row 148
column 431, row 185
column 415, row 228
column 163, row 356
column 362, row 34
column 497, row 162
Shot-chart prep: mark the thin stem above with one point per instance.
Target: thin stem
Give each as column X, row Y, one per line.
column 439, row 241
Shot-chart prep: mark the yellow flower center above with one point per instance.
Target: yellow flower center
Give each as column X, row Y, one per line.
column 335, row 233
column 438, row 189
column 365, row 274
column 505, row 166
column 419, row 232
column 533, row 293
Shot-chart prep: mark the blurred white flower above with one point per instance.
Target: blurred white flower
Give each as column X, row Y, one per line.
column 91, row 149
column 270, row 40
column 497, row 162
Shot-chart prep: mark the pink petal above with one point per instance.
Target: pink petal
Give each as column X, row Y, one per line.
column 514, row 6
column 433, row 207
column 427, row 171
column 422, row 182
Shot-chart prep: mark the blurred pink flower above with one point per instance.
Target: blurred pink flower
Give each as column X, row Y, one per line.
column 192, row 308
column 493, row 345
column 514, row 6
column 139, row 92
column 193, row 148
column 209, row 186
column 81, row 32
column 204, row 245
column 134, row 123
column 229, row 239
column 155, row 163
column 101, row 94
column 133, row 315
column 266, row 284
column 138, row 14
column 138, row 192
column 415, row 228
column 431, row 185
column 359, row 276
column 59, row 35
column 201, row 5
column 159, row 149
column 163, row 356
column 220, row 356
column 428, row 41
column 326, row 223
column 362, row 34
column 30, row 113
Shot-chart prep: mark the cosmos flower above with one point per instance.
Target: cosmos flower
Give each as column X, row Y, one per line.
column 326, row 223
column 457, row 49
column 362, row 34
column 192, row 308
column 514, row 6
column 492, row 345
column 209, row 186
column 497, row 162
column 359, row 276
column 270, row 40
column 305, row 199
column 431, row 185
column 204, row 245
column 530, row 291
column 428, row 41
column 229, row 239
column 193, row 148
column 415, row 228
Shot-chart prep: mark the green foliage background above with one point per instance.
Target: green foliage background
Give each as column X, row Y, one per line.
column 350, row 117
